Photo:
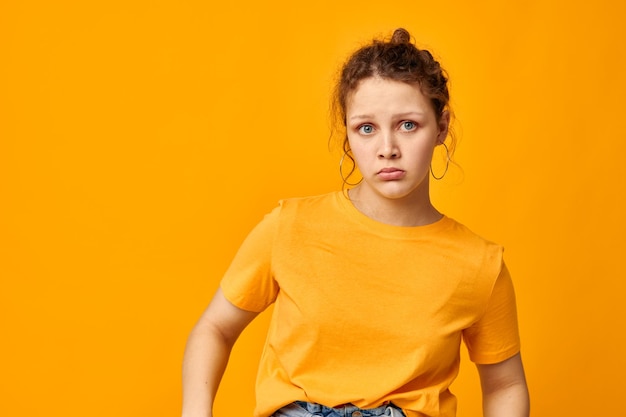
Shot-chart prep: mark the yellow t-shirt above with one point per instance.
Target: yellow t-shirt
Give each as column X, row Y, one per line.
column 367, row 312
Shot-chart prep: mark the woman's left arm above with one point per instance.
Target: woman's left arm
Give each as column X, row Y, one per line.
column 505, row 393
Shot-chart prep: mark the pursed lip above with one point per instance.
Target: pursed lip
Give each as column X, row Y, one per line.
column 389, row 169
column 391, row 173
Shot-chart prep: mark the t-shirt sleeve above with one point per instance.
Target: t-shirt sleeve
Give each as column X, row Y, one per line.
column 495, row 336
column 249, row 281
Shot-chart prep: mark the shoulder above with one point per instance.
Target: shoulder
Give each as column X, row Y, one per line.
column 473, row 249
column 303, row 218
column 309, row 207
column 465, row 236
column 315, row 201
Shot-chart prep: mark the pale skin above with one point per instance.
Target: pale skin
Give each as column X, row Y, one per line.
column 391, row 126
column 392, row 131
column 207, row 352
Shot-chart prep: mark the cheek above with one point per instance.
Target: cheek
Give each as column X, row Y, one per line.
column 351, row 140
column 423, row 154
column 354, row 147
column 361, row 157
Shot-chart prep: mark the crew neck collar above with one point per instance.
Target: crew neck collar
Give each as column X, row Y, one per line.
column 388, row 229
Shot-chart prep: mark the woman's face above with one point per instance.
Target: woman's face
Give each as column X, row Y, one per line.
column 392, row 131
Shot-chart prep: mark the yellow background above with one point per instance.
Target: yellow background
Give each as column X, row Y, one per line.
column 140, row 141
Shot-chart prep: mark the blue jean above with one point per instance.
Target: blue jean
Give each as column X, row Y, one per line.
column 304, row 409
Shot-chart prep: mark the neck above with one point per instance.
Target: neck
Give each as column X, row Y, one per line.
column 412, row 210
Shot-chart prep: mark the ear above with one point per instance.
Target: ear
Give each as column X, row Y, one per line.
column 442, row 125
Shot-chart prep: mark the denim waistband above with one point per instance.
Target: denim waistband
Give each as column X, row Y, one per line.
column 350, row 410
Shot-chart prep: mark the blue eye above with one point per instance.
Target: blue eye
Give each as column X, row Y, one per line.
column 366, row 129
column 408, row 125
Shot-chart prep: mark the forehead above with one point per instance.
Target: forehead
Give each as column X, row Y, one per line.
column 381, row 95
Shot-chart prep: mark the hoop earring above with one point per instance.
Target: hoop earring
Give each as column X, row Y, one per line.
column 447, row 164
column 345, row 179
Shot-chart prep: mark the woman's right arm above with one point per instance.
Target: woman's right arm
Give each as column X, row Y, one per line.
column 207, row 352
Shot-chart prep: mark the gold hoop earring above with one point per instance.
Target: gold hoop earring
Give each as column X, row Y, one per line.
column 447, row 164
column 345, row 179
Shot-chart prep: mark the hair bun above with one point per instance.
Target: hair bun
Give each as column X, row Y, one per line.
column 400, row 36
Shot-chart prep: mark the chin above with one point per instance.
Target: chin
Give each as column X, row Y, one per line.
column 396, row 194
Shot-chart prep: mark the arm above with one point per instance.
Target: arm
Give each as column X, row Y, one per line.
column 207, row 352
column 505, row 393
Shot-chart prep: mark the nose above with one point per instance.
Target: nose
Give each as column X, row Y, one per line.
column 388, row 147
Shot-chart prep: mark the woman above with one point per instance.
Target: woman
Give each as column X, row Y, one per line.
column 373, row 288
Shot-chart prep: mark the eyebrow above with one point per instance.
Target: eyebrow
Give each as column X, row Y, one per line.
column 370, row 116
